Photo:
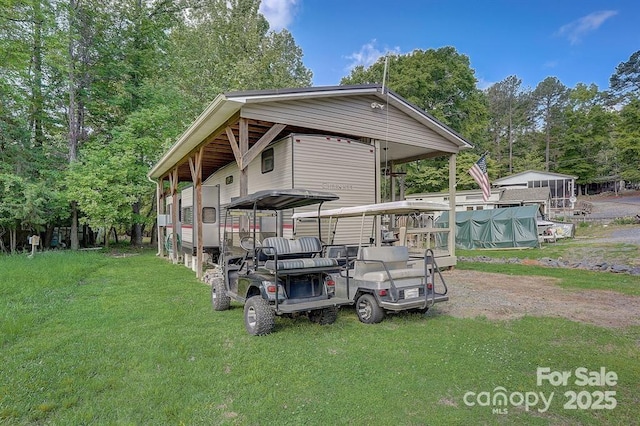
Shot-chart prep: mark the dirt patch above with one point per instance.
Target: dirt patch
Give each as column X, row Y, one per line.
column 504, row 297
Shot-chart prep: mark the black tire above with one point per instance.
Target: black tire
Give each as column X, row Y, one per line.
column 259, row 318
column 219, row 298
column 324, row 316
column 368, row 310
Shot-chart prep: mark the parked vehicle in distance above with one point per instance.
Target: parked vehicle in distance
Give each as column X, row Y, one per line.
column 269, row 274
column 384, row 278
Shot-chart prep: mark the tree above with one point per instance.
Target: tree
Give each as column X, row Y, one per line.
column 224, row 46
column 588, row 127
column 550, row 97
column 625, row 81
column 627, row 141
column 508, row 112
column 439, row 81
column 442, row 83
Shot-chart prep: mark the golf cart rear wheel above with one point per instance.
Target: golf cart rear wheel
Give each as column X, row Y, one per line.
column 259, row 318
column 324, row 316
column 219, row 298
column 368, row 310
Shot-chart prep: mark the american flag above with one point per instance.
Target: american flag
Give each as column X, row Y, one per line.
column 479, row 173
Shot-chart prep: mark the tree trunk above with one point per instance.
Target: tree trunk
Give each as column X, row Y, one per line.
column 12, row 240
column 48, row 236
column 74, row 242
column 154, row 233
column 136, row 230
column 37, row 98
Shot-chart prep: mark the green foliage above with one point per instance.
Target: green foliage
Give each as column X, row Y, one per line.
column 588, row 127
column 625, row 81
column 440, row 81
column 225, row 46
column 627, row 141
column 98, row 183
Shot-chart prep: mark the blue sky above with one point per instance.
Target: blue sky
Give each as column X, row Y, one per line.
column 578, row 41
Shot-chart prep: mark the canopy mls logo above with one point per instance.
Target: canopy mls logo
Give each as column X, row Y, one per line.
column 601, row 399
column 500, row 399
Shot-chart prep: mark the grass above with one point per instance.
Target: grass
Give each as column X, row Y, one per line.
column 96, row 338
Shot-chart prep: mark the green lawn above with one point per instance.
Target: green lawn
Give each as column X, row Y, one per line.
column 93, row 338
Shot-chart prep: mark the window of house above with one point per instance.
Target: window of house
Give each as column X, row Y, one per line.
column 228, row 180
column 267, row 160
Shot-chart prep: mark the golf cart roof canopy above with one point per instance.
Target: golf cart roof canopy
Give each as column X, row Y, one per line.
column 393, row 207
column 281, row 199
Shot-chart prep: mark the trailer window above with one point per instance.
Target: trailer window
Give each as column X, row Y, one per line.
column 228, row 180
column 208, row 215
column 267, row 160
column 187, row 215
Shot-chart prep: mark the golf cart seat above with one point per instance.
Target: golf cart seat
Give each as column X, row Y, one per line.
column 301, row 254
column 379, row 264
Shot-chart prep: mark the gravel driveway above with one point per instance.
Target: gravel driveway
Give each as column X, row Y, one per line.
column 505, row 297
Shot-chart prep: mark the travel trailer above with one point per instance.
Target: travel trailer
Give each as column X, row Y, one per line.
column 345, row 167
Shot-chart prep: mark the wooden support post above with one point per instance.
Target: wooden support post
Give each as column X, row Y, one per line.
column 195, row 164
column 452, row 207
column 173, row 184
column 159, row 210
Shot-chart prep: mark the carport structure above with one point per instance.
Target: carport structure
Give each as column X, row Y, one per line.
column 238, row 126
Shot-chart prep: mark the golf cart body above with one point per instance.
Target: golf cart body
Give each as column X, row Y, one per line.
column 386, row 277
column 269, row 274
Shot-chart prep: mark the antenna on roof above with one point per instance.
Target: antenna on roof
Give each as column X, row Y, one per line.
column 384, row 75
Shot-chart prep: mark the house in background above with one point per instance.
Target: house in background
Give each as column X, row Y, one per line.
column 471, row 200
column 561, row 187
column 465, row 200
column 517, row 197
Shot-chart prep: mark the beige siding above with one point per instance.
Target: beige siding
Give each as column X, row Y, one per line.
column 227, row 191
column 281, row 175
column 354, row 116
column 341, row 166
column 279, row 178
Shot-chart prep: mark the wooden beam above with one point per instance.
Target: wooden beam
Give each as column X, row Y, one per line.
column 234, row 146
column 262, row 143
column 244, row 147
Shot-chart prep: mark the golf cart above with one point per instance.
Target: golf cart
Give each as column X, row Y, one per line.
column 269, row 274
column 384, row 277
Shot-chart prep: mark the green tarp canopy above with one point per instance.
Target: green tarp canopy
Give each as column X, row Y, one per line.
column 495, row 228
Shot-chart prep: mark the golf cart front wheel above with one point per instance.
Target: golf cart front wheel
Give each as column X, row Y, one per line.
column 219, row 298
column 259, row 318
column 368, row 310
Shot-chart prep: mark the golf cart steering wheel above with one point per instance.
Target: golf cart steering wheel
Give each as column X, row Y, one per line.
column 248, row 244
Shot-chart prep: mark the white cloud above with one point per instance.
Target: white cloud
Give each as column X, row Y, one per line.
column 368, row 55
column 577, row 29
column 484, row 84
column 279, row 13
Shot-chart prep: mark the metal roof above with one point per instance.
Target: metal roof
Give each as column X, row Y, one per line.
column 525, row 194
column 280, row 199
column 225, row 111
